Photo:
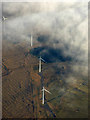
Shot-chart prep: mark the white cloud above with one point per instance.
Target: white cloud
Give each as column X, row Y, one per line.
column 66, row 23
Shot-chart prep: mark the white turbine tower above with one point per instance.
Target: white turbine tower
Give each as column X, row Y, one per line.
column 43, row 95
column 31, row 40
column 40, row 59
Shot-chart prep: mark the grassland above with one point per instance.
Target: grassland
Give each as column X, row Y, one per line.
column 21, row 86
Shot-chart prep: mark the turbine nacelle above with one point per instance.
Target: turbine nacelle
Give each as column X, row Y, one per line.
column 46, row 90
column 41, row 59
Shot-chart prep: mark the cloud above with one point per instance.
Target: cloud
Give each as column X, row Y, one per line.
column 60, row 26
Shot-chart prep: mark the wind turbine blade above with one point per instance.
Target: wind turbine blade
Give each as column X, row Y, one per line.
column 42, row 59
column 47, row 91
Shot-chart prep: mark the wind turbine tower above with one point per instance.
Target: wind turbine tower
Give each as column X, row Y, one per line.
column 43, row 95
column 31, row 40
column 40, row 59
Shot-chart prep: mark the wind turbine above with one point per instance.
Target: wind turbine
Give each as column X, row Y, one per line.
column 40, row 59
column 4, row 18
column 43, row 95
column 31, row 40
